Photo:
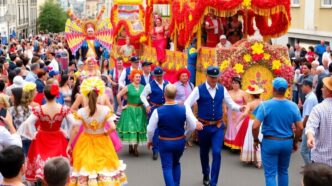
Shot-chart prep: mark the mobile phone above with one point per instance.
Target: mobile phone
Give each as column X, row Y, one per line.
column 3, row 113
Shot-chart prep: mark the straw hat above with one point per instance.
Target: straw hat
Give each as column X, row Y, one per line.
column 254, row 89
column 328, row 83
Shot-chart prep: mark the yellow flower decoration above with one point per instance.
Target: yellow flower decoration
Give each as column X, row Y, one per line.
column 276, row 64
column 192, row 50
column 267, row 56
column 224, row 64
column 29, row 87
column 190, row 17
column 246, row 3
column 205, row 64
column 92, row 83
column 247, row 58
column 238, row 68
column 94, row 125
column 125, row 59
column 287, row 62
column 142, row 39
column 257, row 48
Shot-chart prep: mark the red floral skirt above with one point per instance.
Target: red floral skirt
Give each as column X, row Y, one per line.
column 46, row 145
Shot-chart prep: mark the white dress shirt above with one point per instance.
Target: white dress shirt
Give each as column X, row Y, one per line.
column 147, row 91
column 146, row 78
column 7, row 139
column 54, row 64
column 122, row 78
column 153, row 123
column 194, row 96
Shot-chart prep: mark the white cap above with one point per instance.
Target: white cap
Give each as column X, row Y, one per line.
column 222, row 37
column 18, row 81
column 90, row 29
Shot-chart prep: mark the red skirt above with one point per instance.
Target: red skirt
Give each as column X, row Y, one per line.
column 160, row 45
column 46, row 145
column 237, row 143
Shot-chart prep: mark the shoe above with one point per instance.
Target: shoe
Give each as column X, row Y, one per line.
column 131, row 149
column 135, row 151
column 206, row 181
column 155, row 156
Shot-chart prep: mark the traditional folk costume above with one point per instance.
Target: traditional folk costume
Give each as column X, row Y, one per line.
column 155, row 92
column 213, row 34
column 170, row 120
column 192, row 60
column 234, row 135
column 160, row 43
column 88, row 36
column 209, row 100
column 95, row 161
column 132, row 124
column 146, row 79
column 48, row 142
column 248, row 153
column 124, row 76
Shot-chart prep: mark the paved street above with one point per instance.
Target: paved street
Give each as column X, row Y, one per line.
column 143, row 171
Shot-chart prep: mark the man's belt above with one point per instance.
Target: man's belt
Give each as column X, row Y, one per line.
column 155, row 104
column 172, row 139
column 208, row 123
column 277, row 138
column 134, row 105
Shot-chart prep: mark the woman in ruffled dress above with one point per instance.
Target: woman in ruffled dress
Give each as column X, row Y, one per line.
column 132, row 124
column 49, row 141
column 95, row 161
column 234, row 135
column 248, row 153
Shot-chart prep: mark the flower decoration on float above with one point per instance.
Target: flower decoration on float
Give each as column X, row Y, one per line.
column 142, row 39
column 238, row 68
column 247, row 58
column 224, row 64
column 257, row 48
column 92, row 84
column 267, row 56
column 276, row 64
column 246, row 4
column 29, row 87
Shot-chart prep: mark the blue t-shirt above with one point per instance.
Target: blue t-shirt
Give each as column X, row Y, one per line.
column 277, row 117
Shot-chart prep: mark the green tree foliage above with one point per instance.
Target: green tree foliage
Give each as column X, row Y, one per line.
column 52, row 17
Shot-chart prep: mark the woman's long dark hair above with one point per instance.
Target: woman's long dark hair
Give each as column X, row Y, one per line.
column 76, row 90
column 64, row 79
column 93, row 95
column 17, row 94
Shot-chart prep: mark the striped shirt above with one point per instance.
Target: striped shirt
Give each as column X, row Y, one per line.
column 320, row 125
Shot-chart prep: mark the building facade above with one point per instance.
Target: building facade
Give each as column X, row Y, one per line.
column 7, row 18
column 33, row 17
column 310, row 23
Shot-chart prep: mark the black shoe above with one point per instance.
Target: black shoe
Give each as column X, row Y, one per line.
column 131, row 149
column 155, row 156
column 206, row 181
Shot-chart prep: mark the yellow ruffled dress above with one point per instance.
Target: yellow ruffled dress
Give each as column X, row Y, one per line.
column 95, row 162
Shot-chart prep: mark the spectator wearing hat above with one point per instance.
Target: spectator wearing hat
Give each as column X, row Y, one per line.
column 319, row 127
column 155, row 91
column 146, row 76
column 80, row 66
column 308, row 105
column 124, row 77
column 279, row 116
column 17, row 82
column 210, row 97
column 183, row 86
column 224, row 43
column 32, row 75
column 192, row 60
column 54, row 74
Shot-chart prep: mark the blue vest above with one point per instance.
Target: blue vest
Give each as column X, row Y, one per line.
column 171, row 120
column 157, row 95
column 127, row 76
column 208, row 108
column 143, row 80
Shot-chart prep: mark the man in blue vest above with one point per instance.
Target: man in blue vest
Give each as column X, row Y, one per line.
column 170, row 119
column 146, row 76
column 155, row 91
column 124, row 77
column 210, row 97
